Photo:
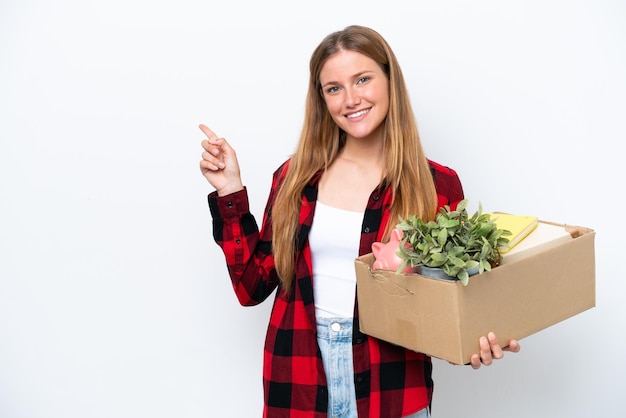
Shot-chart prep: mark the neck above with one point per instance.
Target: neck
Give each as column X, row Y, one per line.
column 363, row 150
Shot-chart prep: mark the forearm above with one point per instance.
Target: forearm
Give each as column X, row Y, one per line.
column 249, row 259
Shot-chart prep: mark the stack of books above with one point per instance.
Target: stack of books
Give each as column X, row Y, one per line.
column 528, row 235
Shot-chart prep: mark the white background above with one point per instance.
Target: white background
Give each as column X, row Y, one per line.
column 114, row 299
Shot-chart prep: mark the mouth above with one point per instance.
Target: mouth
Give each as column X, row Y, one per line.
column 358, row 114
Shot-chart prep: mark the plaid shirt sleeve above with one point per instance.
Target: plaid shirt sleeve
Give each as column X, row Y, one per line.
column 248, row 251
column 447, row 184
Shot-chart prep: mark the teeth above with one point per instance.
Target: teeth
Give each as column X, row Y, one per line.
column 357, row 114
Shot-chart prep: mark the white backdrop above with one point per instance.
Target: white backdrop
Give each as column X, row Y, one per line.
column 114, row 299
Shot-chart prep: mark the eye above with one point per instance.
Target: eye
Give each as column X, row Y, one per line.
column 363, row 80
column 333, row 89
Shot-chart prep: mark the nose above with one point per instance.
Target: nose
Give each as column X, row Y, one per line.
column 352, row 97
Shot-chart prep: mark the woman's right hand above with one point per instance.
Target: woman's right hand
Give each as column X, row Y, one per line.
column 219, row 164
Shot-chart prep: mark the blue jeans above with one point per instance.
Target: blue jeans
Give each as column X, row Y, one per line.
column 424, row 413
column 334, row 336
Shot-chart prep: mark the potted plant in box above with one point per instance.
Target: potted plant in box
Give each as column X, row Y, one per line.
column 456, row 243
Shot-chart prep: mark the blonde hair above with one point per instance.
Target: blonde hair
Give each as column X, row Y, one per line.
column 407, row 170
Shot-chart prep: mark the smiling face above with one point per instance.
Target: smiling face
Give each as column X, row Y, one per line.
column 356, row 92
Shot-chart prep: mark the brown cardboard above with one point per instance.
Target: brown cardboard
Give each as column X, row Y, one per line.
column 445, row 319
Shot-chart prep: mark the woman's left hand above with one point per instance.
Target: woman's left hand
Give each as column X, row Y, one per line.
column 491, row 350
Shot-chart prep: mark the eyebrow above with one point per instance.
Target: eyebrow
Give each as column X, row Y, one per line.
column 357, row 75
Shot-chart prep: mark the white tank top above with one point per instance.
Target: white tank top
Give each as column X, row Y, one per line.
column 334, row 240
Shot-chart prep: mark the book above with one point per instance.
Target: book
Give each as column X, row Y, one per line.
column 519, row 226
column 543, row 237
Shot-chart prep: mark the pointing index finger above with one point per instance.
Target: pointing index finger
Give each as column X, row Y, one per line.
column 209, row 133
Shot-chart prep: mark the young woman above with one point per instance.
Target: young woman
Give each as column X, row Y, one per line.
column 359, row 165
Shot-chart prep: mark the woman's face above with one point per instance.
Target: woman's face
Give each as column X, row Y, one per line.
column 356, row 91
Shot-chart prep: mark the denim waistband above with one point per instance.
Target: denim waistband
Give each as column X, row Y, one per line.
column 338, row 329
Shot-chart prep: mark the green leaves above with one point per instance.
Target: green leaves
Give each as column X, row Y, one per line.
column 454, row 241
column 442, row 237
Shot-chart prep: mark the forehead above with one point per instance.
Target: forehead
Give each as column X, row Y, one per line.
column 346, row 64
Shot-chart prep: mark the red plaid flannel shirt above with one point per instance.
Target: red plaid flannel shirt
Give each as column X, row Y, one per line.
column 390, row 381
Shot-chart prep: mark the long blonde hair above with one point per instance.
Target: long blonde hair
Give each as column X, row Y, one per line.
column 407, row 170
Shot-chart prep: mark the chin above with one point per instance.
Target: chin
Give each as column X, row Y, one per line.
column 362, row 134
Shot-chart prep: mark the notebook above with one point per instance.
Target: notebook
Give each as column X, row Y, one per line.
column 543, row 237
column 519, row 226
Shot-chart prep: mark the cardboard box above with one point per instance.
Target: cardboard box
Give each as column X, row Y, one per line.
column 445, row 319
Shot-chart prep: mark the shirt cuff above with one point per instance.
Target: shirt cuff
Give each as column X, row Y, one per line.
column 230, row 206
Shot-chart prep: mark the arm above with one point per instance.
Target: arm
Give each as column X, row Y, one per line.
column 448, row 185
column 247, row 250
